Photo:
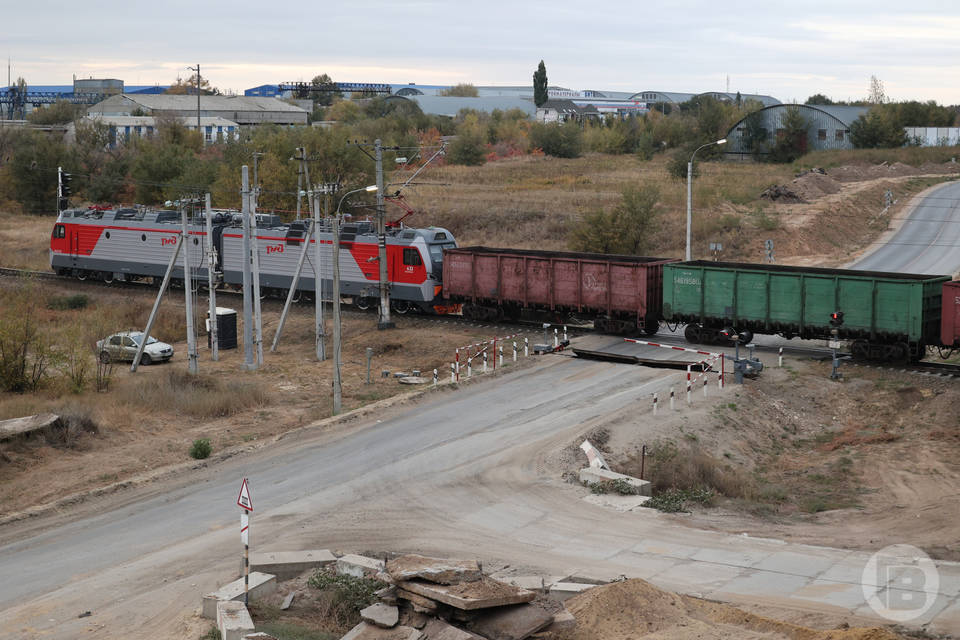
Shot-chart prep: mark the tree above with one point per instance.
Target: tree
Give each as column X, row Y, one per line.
column 876, row 94
column 462, row 90
column 755, row 134
column 540, row 85
column 792, row 137
column 878, row 128
column 61, row 112
column 189, row 87
column 323, row 90
column 819, row 99
column 558, row 140
column 627, row 229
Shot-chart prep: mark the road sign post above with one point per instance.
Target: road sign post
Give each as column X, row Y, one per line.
column 245, row 503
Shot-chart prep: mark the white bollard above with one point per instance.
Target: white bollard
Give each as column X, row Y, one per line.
column 526, row 347
column 564, row 333
column 514, row 350
column 484, row 360
column 436, row 377
column 453, row 373
column 672, row 405
column 556, row 339
column 501, row 355
column 780, row 358
column 470, row 367
column 688, row 384
column 654, row 404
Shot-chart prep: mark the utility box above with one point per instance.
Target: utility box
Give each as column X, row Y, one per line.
column 226, row 328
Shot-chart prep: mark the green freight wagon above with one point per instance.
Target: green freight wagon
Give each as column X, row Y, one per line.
column 888, row 316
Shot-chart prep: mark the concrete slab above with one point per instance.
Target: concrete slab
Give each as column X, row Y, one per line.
column 359, row 566
column 470, row 595
column 594, row 457
column 503, row 517
column 772, row 585
column 848, row 595
column 259, row 635
column 261, row 584
column 562, row 591
column 437, row 570
column 287, row 601
column 290, row 564
column 616, row 502
column 643, row 565
column 233, row 620
column 440, row 630
column 795, row 563
column 531, row 583
column 510, row 623
column 29, row 424
column 381, row 615
column 732, row 557
column 703, row 576
column 591, row 475
column 665, row 548
column 420, row 603
column 903, row 605
column 364, row 631
column 563, row 622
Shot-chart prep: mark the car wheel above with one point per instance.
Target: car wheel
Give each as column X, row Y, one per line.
column 104, row 357
column 146, row 360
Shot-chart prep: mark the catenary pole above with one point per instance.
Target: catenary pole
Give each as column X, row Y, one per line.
column 384, row 318
column 248, row 359
column 337, row 386
column 319, row 329
column 211, row 284
column 188, row 290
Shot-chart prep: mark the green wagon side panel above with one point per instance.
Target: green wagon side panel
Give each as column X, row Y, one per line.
column 818, row 300
column 855, row 299
column 718, row 293
column 785, row 297
column 752, row 299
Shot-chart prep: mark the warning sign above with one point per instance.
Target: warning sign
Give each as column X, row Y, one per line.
column 243, row 500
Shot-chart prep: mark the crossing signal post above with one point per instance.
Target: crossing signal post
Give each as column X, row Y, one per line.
column 836, row 321
column 63, row 189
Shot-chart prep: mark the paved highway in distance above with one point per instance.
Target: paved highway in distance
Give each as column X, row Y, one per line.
column 927, row 242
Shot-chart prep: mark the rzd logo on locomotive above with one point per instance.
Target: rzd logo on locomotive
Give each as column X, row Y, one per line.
column 274, row 248
column 165, row 241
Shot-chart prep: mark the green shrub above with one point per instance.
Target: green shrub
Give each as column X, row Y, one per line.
column 558, row 140
column 344, row 596
column 201, row 449
column 64, row 303
column 677, row 500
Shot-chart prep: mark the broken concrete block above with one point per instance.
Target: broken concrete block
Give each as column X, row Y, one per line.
column 233, row 620
column 564, row 590
column 594, row 456
column 480, row 594
column 387, row 595
column 290, row 564
column 382, row 615
column 532, row 583
column 616, row 501
column 436, row 570
column 510, row 623
column 287, row 601
column 359, row 566
column 589, row 475
column 259, row 635
column 414, row 619
column 420, row 603
column 440, row 630
column 364, row 631
column 261, row 584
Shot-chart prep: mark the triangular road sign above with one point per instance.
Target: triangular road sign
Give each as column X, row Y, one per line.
column 243, row 500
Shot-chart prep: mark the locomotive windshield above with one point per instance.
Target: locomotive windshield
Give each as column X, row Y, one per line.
column 436, row 251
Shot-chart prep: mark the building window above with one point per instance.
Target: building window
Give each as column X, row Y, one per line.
column 411, row 257
column 208, row 134
column 821, row 134
column 840, row 135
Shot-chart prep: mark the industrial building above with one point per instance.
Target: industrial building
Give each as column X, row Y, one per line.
column 243, row 110
column 123, row 128
column 828, row 127
column 565, row 111
column 674, row 97
column 450, row 106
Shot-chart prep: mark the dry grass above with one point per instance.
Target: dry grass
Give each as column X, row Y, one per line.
column 670, row 467
column 913, row 156
column 25, row 241
column 197, row 396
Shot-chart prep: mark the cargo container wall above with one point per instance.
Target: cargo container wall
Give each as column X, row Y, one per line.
column 589, row 284
column 950, row 315
column 797, row 301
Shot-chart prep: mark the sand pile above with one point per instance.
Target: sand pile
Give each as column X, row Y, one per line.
column 635, row 609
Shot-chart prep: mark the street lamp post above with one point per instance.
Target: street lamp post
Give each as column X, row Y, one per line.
column 690, row 189
column 337, row 385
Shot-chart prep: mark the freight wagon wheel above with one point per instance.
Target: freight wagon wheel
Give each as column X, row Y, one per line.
column 692, row 333
column 651, row 325
column 81, row 275
column 860, row 349
column 401, row 306
column 107, row 277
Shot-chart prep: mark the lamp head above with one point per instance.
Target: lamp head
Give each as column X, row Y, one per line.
column 722, row 141
column 371, row 188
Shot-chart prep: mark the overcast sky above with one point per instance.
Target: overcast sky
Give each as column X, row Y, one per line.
column 789, row 50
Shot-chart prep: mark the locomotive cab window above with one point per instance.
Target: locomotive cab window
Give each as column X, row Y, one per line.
column 411, row 257
column 59, row 231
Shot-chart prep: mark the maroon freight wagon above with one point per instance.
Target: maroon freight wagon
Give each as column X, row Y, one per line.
column 621, row 293
column 950, row 315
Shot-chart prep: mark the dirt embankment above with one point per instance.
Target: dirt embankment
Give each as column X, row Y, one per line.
column 863, row 463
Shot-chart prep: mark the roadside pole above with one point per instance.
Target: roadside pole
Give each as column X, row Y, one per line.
column 248, row 352
column 188, row 291
column 245, row 503
column 211, row 284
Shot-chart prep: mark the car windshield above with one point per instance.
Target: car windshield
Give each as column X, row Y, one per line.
column 136, row 337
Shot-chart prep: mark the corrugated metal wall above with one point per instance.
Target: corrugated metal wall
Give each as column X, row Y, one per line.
column 824, row 131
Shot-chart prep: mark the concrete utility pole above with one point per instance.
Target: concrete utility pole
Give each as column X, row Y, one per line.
column 256, row 181
column 301, row 158
column 337, row 386
column 319, row 329
column 212, row 284
column 188, row 291
column 199, row 130
column 384, row 320
column 294, row 284
column 257, row 317
column 156, row 303
column 690, row 190
column 248, row 361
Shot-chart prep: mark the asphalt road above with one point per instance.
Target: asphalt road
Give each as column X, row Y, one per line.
column 927, row 242
column 461, row 473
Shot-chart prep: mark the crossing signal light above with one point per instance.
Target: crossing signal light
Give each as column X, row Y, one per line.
column 836, row 319
column 65, row 180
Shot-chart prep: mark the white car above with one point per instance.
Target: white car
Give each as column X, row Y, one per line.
column 124, row 345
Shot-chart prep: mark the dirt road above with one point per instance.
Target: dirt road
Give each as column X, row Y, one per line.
column 461, row 473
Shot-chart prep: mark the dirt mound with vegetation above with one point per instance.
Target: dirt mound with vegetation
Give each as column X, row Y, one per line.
column 634, row 609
